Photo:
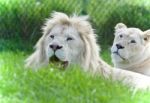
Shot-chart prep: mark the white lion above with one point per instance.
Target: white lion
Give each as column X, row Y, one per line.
column 71, row 40
column 131, row 49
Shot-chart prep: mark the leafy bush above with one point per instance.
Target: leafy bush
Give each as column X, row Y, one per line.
column 135, row 13
column 24, row 18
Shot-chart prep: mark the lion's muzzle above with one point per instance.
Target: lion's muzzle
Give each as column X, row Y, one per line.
column 55, row 47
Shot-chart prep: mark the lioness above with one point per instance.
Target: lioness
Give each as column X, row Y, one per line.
column 131, row 49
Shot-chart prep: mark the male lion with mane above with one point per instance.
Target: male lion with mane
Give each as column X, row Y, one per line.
column 71, row 40
column 131, row 49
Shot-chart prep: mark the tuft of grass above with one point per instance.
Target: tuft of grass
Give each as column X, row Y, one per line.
column 51, row 85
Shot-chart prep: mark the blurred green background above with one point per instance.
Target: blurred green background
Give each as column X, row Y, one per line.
column 21, row 20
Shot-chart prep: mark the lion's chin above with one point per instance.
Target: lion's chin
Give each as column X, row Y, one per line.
column 57, row 62
column 118, row 54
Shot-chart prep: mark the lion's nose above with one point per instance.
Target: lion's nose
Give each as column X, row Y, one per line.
column 55, row 47
column 119, row 46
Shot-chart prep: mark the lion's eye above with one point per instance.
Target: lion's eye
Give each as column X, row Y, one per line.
column 133, row 41
column 52, row 36
column 120, row 36
column 69, row 38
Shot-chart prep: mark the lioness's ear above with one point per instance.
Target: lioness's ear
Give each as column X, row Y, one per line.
column 146, row 35
column 120, row 26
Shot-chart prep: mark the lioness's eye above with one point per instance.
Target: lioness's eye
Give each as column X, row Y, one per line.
column 133, row 41
column 69, row 38
column 120, row 36
column 52, row 36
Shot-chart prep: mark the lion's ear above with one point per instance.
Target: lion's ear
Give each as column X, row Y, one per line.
column 120, row 26
column 146, row 35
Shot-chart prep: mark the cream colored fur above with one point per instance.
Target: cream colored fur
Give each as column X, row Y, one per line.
column 136, row 54
column 84, row 47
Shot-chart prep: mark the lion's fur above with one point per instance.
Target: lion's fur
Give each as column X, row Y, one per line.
column 140, row 61
column 90, row 59
column 91, row 56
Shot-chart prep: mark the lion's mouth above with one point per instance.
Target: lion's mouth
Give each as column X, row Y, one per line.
column 117, row 53
column 59, row 63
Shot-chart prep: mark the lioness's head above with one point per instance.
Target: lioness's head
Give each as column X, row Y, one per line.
column 129, row 45
column 67, row 40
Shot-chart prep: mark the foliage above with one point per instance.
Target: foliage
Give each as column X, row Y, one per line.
column 107, row 14
column 23, row 19
column 49, row 85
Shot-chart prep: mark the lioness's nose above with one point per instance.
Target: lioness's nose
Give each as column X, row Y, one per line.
column 55, row 47
column 119, row 46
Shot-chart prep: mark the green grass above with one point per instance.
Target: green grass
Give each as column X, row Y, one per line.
column 50, row 85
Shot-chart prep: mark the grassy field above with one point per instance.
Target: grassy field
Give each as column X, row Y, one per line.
column 50, row 85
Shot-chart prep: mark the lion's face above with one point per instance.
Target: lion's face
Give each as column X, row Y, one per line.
column 64, row 44
column 129, row 45
column 66, row 40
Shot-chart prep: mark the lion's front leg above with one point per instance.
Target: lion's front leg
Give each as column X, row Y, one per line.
column 133, row 79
